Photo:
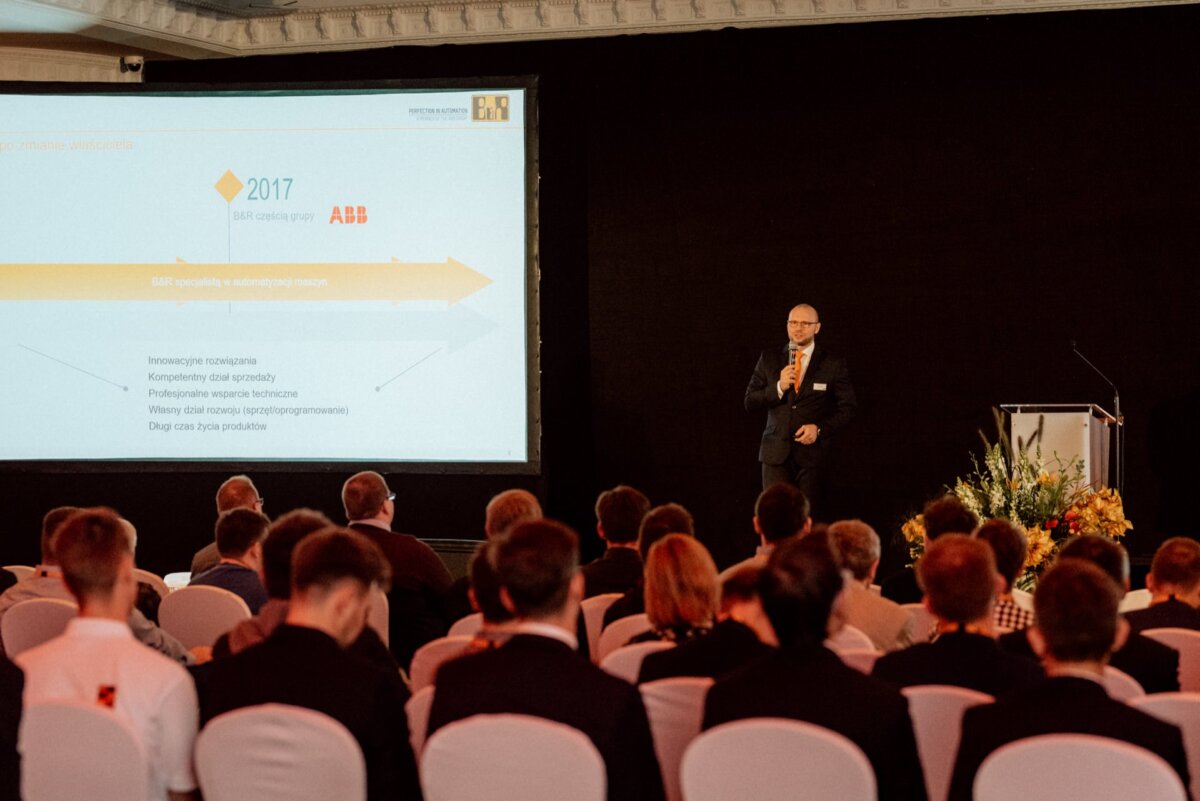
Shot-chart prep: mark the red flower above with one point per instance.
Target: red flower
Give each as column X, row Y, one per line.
column 1052, row 523
column 1071, row 514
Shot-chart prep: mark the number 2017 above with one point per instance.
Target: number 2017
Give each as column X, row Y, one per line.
column 269, row 189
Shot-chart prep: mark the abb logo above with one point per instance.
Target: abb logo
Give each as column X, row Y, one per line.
column 348, row 215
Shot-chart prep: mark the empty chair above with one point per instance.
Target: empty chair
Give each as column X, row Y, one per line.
column 626, row 661
column 937, row 711
column 467, row 626
column 849, row 637
column 1095, row 768
column 675, row 708
column 146, row 577
column 33, row 622
column 73, row 750
column 1182, row 709
column 377, row 613
column 593, row 610
column 199, row 615
column 430, row 656
column 923, row 622
column 511, row 758
column 22, row 572
column 619, row 633
column 1120, row 685
column 861, row 659
column 1135, row 599
column 1187, row 643
column 417, row 712
column 770, row 759
column 276, row 752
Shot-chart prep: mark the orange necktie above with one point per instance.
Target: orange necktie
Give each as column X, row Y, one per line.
column 796, row 375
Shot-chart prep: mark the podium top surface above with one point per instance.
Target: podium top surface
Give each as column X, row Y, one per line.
column 1058, row 408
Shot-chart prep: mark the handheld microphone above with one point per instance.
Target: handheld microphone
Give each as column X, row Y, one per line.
column 794, row 354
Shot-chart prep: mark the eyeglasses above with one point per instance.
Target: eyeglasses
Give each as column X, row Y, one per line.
column 802, row 323
column 391, row 496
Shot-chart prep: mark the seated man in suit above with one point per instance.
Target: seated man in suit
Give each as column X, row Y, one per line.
column 237, row 492
column 1174, row 584
column 538, row 671
column 858, row 549
column 240, row 534
column 945, row 515
column 1154, row 665
column 1010, row 548
column 1077, row 628
column 619, row 513
column 305, row 662
column 670, row 518
column 960, row 580
column 781, row 511
column 806, row 681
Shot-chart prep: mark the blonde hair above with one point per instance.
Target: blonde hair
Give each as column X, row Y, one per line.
column 681, row 584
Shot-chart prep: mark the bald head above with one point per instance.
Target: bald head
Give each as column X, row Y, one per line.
column 803, row 324
column 238, row 492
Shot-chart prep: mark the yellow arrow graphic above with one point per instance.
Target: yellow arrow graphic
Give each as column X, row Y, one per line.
column 450, row 281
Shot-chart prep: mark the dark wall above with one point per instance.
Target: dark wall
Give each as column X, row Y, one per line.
column 959, row 198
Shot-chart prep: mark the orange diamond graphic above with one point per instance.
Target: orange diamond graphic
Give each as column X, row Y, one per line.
column 229, row 186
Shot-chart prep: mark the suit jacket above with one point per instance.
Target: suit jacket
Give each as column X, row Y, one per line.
column 966, row 660
column 1154, row 665
column 1066, row 705
column 543, row 677
column 812, row 684
column 416, row 602
column 829, row 407
column 12, row 684
column 727, row 647
column 631, row 603
column 306, row 667
column 888, row 626
column 617, row 570
column 205, row 559
column 902, row 587
column 1171, row 613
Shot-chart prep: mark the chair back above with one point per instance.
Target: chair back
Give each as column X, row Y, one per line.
column 466, row 626
column 1135, row 599
column 417, row 712
column 378, row 614
column 1182, row 709
column 30, row 623
column 849, row 637
column 923, row 621
column 770, row 759
column 146, row 577
column 511, row 758
column 861, row 659
column 1023, row 599
column 430, row 656
column 675, row 708
column 626, row 661
column 937, row 711
column 102, row 759
column 1187, row 643
column 22, row 572
column 276, row 752
column 593, row 610
column 199, row 615
column 1095, row 768
column 1120, row 685
column 619, row 633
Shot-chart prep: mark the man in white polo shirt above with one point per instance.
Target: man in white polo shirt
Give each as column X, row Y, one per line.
column 98, row 660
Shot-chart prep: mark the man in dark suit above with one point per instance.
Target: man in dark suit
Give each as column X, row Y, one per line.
column 804, row 680
column 237, row 492
column 538, row 672
column 807, row 395
column 619, row 513
column 960, row 579
column 305, row 663
column 1174, row 584
column 420, row 580
column 1076, row 629
column 670, row 518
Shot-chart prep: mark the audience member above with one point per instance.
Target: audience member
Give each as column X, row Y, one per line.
column 781, row 511
column 670, row 518
column 960, row 580
column 619, row 513
column 1174, row 584
column 945, row 515
column 858, row 549
column 681, row 590
column 496, row 628
column 12, row 683
column 304, row 662
column 538, row 671
column 1154, row 665
column 743, row 634
column 1077, row 628
column 420, row 580
column 47, row 582
column 237, row 492
column 1010, row 548
column 240, row 534
column 97, row 660
column 806, row 681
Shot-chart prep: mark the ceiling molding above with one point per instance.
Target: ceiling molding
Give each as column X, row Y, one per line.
column 39, row 64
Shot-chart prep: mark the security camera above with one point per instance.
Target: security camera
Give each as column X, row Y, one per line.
column 132, row 63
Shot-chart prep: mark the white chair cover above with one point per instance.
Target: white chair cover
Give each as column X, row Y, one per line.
column 1182, row 709
column 861, row 659
column 175, row 581
column 1120, row 685
column 923, row 621
column 676, row 710
column 626, row 661
column 146, row 577
column 378, row 614
column 1187, row 643
column 1096, row 768
column 430, row 656
column 849, row 637
column 1023, row 599
column 1135, row 599
column 511, row 758
column 770, row 759
column 619, row 633
column 466, row 626
column 30, row 623
column 276, row 752
column 22, row 572
column 417, row 712
column 937, row 711
column 199, row 615
column 73, row 750
column 593, row 610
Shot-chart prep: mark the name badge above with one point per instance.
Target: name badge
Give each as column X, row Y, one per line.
column 819, row 387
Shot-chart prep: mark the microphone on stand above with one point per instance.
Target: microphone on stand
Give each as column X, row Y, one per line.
column 1116, row 413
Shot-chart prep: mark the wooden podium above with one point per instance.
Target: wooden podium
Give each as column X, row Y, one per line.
column 1083, row 431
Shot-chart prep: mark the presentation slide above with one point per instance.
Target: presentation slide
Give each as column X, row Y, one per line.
column 265, row 276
